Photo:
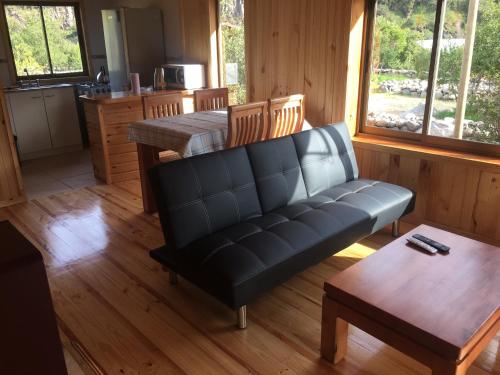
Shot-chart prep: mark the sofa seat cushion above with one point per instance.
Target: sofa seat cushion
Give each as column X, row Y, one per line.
column 248, row 258
column 384, row 202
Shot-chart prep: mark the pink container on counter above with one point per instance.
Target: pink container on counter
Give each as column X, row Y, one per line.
column 135, row 83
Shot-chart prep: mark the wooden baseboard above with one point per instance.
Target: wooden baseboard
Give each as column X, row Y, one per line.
column 13, row 201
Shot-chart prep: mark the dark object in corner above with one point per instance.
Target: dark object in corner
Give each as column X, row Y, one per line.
column 29, row 340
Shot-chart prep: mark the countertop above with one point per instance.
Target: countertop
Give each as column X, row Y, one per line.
column 127, row 96
column 41, row 87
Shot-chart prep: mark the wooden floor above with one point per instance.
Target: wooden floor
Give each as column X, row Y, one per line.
column 118, row 314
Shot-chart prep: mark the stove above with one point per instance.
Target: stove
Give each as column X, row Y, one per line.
column 92, row 88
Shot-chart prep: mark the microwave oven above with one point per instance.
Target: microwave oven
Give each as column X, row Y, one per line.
column 184, row 76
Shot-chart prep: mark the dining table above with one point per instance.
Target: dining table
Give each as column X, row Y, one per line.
column 187, row 134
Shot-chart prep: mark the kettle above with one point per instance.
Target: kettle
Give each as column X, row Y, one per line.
column 102, row 77
column 159, row 79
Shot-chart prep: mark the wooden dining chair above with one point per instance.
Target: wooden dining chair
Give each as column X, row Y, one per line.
column 156, row 106
column 247, row 123
column 210, row 99
column 286, row 115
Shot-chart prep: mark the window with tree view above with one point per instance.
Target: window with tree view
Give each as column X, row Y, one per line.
column 45, row 39
column 435, row 69
column 232, row 34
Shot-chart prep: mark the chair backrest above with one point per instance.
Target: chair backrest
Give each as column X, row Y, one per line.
column 156, row 106
column 286, row 115
column 210, row 99
column 247, row 123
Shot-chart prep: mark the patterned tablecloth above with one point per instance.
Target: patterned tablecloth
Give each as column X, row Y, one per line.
column 189, row 134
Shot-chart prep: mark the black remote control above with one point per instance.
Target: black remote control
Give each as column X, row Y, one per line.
column 439, row 246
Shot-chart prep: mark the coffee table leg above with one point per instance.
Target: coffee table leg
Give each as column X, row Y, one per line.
column 447, row 368
column 333, row 332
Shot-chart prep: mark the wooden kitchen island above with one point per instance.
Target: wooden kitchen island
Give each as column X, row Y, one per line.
column 107, row 117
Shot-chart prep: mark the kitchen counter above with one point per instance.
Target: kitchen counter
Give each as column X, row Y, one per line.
column 127, row 96
column 107, row 118
column 41, row 87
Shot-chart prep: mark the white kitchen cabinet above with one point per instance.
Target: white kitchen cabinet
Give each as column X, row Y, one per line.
column 45, row 121
column 62, row 117
column 30, row 121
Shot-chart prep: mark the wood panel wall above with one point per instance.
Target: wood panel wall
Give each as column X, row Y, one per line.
column 11, row 187
column 453, row 192
column 199, row 30
column 305, row 46
column 354, row 64
column 114, row 157
column 315, row 47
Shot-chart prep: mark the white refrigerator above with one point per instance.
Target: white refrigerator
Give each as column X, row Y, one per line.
column 134, row 44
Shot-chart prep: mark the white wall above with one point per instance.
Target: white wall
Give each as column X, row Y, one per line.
column 92, row 21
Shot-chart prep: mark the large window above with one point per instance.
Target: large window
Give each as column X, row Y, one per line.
column 232, row 42
column 432, row 72
column 45, row 39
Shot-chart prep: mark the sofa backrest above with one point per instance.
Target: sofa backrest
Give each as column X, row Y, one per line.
column 200, row 195
column 277, row 172
column 326, row 157
column 203, row 194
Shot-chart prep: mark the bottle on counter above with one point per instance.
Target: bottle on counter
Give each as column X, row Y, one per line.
column 159, row 79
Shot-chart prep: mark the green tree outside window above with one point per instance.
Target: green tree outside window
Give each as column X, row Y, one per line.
column 29, row 25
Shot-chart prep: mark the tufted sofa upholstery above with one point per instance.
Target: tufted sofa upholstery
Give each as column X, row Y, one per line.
column 240, row 221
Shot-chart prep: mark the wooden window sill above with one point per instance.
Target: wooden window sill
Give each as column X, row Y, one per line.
column 426, row 152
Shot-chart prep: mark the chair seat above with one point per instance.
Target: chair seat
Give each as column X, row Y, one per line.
column 242, row 261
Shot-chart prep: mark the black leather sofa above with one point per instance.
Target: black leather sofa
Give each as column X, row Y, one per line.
column 240, row 221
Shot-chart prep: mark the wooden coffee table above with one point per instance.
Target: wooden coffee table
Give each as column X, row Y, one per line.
column 441, row 310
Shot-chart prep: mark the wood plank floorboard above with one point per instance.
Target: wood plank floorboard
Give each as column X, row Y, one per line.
column 117, row 313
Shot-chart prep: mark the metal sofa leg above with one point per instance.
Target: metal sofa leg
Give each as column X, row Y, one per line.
column 172, row 276
column 395, row 229
column 242, row 317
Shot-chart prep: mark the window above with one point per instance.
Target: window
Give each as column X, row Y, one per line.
column 432, row 72
column 45, row 40
column 232, row 43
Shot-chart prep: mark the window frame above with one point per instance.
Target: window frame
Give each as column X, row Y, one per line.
column 220, row 51
column 79, row 30
column 423, row 138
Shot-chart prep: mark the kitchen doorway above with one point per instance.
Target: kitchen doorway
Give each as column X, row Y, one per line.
column 50, row 137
